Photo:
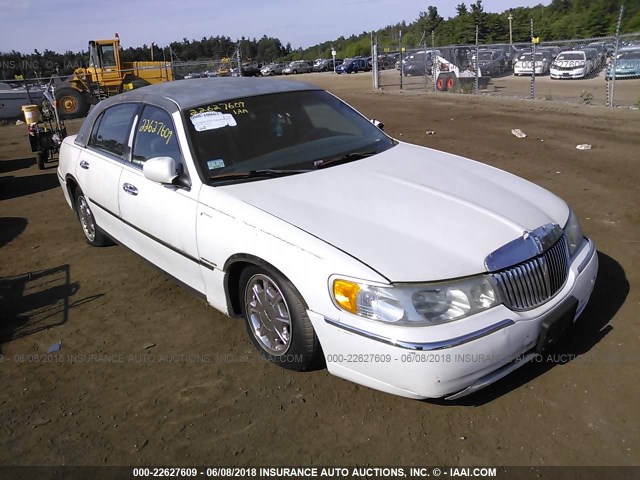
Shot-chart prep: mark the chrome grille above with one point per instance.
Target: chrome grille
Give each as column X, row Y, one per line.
column 533, row 282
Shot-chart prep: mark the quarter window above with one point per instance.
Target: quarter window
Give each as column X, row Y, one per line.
column 155, row 136
column 112, row 129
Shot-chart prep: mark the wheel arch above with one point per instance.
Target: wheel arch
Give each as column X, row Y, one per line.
column 233, row 269
column 72, row 188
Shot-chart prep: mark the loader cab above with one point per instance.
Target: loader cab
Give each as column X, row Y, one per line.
column 104, row 63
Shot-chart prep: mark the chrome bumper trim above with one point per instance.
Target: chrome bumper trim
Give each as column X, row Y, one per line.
column 585, row 262
column 494, row 376
column 425, row 346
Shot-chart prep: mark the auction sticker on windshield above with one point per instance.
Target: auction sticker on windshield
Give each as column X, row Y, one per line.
column 212, row 120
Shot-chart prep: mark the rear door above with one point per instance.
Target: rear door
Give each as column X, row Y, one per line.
column 100, row 164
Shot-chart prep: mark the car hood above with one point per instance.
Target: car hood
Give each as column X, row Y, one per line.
column 410, row 213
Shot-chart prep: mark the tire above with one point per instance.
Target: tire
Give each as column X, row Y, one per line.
column 451, row 82
column 41, row 159
column 290, row 343
column 441, row 83
column 93, row 234
column 71, row 103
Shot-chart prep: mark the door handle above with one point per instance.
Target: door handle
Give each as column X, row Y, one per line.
column 130, row 189
column 84, row 164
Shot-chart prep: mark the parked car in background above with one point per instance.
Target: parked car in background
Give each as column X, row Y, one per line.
column 191, row 75
column 627, row 65
column 251, row 69
column 279, row 204
column 387, row 61
column 326, row 64
column 602, row 53
column 420, row 63
column 353, row 65
column 273, row 69
column 552, row 49
column 492, row 62
column 524, row 64
column 297, row 66
column 594, row 56
column 571, row 64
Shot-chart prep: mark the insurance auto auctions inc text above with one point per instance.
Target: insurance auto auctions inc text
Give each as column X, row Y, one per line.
column 376, row 472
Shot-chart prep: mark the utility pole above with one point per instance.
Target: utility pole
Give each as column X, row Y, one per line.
column 510, row 18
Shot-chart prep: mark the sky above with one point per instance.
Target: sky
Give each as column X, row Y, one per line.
column 63, row 25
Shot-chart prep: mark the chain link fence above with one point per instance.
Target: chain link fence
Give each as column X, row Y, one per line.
column 599, row 71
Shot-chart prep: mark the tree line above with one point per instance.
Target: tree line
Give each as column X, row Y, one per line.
column 562, row 19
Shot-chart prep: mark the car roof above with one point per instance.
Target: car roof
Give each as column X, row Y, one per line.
column 184, row 94
column 211, row 90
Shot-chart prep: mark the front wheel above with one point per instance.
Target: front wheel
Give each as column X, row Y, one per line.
column 71, row 103
column 276, row 320
column 93, row 234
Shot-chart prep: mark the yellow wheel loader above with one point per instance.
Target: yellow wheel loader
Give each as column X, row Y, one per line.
column 105, row 75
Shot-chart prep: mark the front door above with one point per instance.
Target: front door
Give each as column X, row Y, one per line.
column 160, row 219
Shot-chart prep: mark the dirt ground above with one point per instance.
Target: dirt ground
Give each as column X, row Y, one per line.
column 147, row 374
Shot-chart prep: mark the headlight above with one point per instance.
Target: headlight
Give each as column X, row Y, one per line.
column 574, row 234
column 415, row 305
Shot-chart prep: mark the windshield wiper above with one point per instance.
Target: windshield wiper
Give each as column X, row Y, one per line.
column 262, row 173
column 349, row 157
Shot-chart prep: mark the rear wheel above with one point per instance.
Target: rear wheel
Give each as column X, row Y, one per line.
column 71, row 103
column 92, row 232
column 276, row 320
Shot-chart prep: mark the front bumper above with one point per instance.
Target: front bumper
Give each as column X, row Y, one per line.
column 452, row 359
column 575, row 73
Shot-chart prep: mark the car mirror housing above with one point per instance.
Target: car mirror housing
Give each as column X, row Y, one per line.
column 161, row 169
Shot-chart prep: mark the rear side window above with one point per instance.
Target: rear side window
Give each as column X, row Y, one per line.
column 155, row 136
column 112, row 129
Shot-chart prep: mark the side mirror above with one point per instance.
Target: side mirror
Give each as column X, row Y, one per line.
column 161, row 170
column 377, row 123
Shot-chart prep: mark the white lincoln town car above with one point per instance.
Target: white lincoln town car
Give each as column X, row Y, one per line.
column 402, row 268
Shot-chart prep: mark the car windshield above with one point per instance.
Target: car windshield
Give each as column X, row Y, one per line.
column 529, row 56
column 570, row 56
column 282, row 131
column 486, row 56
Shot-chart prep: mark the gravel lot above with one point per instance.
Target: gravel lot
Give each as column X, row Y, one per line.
column 147, row 374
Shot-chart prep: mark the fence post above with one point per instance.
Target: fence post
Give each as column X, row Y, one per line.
column 374, row 64
column 400, row 48
column 533, row 64
column 477, row 64
column 614, row 64
column 434, row 60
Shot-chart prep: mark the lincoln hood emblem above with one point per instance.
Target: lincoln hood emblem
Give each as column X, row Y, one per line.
column 529, row 245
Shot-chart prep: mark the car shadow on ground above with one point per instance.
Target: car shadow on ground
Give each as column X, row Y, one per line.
column 11, row 228
column 609, row 294
column 7, row 166
column 14, row 187
column 36, row 301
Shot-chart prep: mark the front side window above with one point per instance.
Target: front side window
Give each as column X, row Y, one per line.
column 155, row 136
column 284, row 131
column 111, row 131
column 108, row 55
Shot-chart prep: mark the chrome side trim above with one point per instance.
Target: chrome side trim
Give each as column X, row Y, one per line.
column 494, row 376
column 425, row 346
column 585, row 262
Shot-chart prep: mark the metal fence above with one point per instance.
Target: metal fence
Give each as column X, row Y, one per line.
column 598, row 71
